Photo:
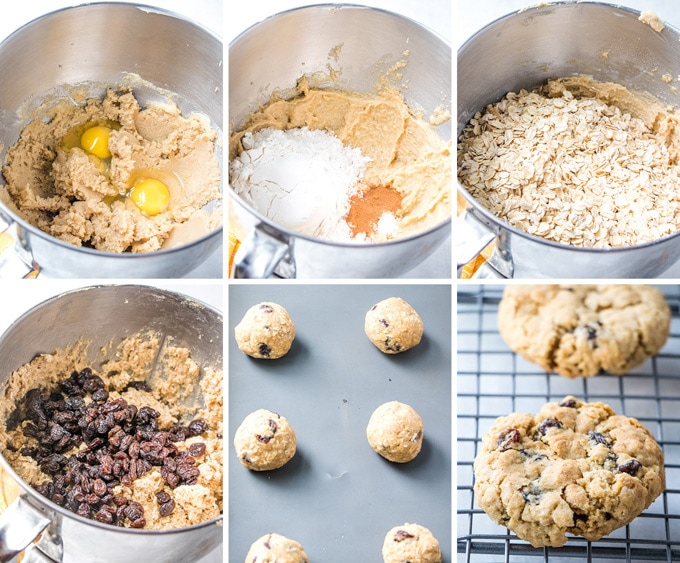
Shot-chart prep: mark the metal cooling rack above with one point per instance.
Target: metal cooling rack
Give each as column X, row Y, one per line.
column 492, row 381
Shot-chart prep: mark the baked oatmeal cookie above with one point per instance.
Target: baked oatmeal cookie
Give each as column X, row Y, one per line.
column 584, row 330
column 266, row 331
column 573, row 468
column 393, row 326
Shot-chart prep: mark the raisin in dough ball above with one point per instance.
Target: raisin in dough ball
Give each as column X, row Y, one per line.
column 411, row 542
column 395, row 431
column 275, row 548
column 393, row 326
column 264, row 441
column 266, row 331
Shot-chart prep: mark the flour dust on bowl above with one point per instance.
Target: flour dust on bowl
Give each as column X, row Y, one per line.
column 111, row 406
column 111, row 160
column 339, row 151
column 587, row 114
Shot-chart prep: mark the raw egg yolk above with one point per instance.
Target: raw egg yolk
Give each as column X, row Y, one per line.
column 151, row 196
column 95, row 140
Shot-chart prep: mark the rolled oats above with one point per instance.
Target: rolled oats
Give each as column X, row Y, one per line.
column 573, row 169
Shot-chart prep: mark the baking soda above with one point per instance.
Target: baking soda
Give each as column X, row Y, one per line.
column 301, row 179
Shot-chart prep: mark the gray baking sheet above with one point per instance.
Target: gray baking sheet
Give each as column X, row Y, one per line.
column 337, row 497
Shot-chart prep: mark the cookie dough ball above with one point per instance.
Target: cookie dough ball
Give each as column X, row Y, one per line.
column 411, row 542
column 395, row 431
column 266, row 331
column 393, row 326
column 264, row 441
column 573, row 468
column 275, row 548
column 584, row 330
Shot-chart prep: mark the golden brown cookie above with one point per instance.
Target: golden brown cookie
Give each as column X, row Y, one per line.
column 573, row 468
column 584, row 330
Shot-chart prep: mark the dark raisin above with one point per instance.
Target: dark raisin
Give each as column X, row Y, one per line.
column 631, row 467
column 532, row 494
column 507, row 438
column 103, row 515
column 401, row 535
column 571, row 403
column 264, row 350
column 93, row 383
column 266, row 308
column 167, row 508
column 197, row 427
column 598, row 438
column 384, row 323
column 162, row 497
column 549, row 423
column 100, row 395
column 197, row 449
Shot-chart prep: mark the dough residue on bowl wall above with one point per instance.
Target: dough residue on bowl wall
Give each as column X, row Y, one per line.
column 57, row 185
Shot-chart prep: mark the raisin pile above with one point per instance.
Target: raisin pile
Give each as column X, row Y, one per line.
column 116, row 443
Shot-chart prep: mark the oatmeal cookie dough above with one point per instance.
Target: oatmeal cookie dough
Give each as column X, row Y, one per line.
column 576, row 161
column 84, row 199
column 411, row 542
column 395, row 431
column 406, row 154
column 266, row 331
column 275, row 548
column 393, row 326
column 573, row 468
column 584, row 330
column 124, row 367
column 264, row 441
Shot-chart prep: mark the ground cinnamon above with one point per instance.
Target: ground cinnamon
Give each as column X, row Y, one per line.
column 366, row 208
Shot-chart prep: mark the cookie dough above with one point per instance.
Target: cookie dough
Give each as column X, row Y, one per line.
column 266, row 331
column 393, row 326
column 264, row 441
column 395, row 431
column 584, row 330
column 408, row 175
column 573, row 468
column 275, row 548
column 86, row 197
column 190, row 392
column 411, row 542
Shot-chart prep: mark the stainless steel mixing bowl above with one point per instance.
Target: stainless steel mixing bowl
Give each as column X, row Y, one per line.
column 99, row 44
column 523, row 50
column 103, row 314
column 273, row 55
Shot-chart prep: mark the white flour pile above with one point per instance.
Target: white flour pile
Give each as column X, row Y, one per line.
column 301, row 179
